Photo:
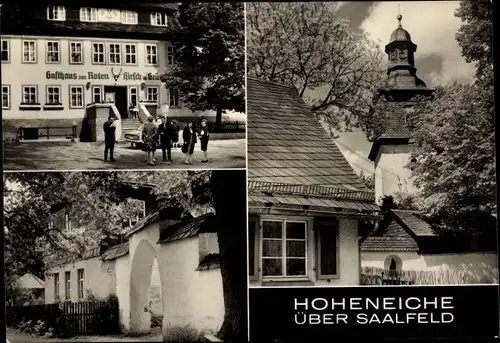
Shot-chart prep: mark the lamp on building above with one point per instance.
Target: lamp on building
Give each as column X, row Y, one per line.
column 87, row 85
column 143, row 85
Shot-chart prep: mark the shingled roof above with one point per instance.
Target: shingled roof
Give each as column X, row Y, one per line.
column 399, row 231
column 288, row 149
column 187, row 228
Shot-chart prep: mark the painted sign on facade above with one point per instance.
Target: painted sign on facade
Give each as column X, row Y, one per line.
column 114, row 74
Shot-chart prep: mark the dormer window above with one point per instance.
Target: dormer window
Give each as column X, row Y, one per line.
column 88, row 14
column 158, row 19
column 129, row 17
column 56, row 13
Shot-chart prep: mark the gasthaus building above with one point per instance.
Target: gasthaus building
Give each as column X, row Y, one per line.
column 65, row 66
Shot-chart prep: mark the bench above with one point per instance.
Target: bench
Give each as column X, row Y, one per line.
column 34, row 133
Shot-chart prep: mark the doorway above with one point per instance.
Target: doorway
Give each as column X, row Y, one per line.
column 119, row 95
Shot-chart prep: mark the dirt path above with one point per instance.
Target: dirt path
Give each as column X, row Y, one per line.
column 16, row 337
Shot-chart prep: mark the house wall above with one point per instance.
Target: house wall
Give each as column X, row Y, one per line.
column 478, row 267
column 123, row 288
column 390, row 171
column 348, row 258
column 189, row 297
column 99, row 278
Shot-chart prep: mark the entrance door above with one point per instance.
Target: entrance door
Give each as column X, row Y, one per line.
column 118, row 94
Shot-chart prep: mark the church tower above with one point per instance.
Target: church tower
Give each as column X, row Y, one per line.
column 390, row 151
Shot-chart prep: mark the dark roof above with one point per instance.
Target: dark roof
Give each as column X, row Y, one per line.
column 88, row 254
column 399, row 231
column 287, row 144
column 187, row 228
column 115, row 252
column 160, row 213
column 211, row 261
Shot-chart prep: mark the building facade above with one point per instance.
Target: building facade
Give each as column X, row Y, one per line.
column 58, row 60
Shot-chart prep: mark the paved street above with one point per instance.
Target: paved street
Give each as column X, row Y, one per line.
column 89, row 156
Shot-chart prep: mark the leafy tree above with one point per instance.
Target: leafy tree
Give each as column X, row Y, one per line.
column 368, row 180
column 308, row 45
column 453, row 155
column 209, row 69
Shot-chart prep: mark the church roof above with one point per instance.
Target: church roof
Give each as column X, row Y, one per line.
column 400, row 35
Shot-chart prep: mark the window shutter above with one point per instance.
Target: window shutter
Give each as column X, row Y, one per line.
column 327, row 239
column 252, row 248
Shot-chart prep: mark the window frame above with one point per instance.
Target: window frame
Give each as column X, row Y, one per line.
column 70, row 43
column 35, row 51
column 146, row 45
column 94, row 53
column 135, row 54
column 67, row 285
column 93, row 10
column 62, row 10
column 170, row 94
column 284, row 220
column 57, row 287
column 123, row 17
column 101, row 91
column 8, row 50
column 155, row 15
column 47, row 95
column 81, row 283
column 336, row 223
column 170, row 55
column 157, row 94
column 56, row 43
column 129, row 97
column 8, row 97
column 119, row 54
column 71, row 98
column 37, row 100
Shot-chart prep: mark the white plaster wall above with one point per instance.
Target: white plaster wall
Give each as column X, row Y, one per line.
column 389, row 165
column 123, row 289
column 191, row 297
column 478, row 267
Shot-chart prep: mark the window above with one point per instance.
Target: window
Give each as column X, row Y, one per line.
column 67, row 221
column 114, row 53
column 75, row 52
column 151, row 54
column 53, row 95
column 327, row 247
column 76, row 96
column 5, row 51
column 130, row 54
column 158, row 19
column 56, row 13
column 88, row 14
column 252, row 235
column 170, row 55
column 98, row 53
column 152, row 94
column 81, row 283
column 5, row 97
column 56, row 286
column 53, row 52
column 96, row 94
column 173, row 97
column 30, row 95
column 284, row 248
column 133, row 96
column 67, row 285
column 129, row 17
column 29, row 51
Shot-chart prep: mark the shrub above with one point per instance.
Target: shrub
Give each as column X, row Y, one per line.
column 38, row 328
column 183, row 334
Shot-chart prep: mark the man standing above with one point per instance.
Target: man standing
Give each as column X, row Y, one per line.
column 109, row 139
column 166, row 133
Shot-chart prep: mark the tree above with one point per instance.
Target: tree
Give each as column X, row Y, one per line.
column 369, row 180
column 307, row 45
column 454, row 155
column 209, row 69
column 475, row 35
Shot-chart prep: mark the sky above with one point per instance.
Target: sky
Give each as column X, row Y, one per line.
column 432, row 26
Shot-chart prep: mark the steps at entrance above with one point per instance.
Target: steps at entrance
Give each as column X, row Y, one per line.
column 130, row 124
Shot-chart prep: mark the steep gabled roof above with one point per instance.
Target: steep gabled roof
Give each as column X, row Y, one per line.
column 187, row 228
column 288, row 148
column 30, row 281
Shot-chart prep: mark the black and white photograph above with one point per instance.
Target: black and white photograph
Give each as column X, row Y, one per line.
column 117, row 256
column 136, row 85
column 371, row 144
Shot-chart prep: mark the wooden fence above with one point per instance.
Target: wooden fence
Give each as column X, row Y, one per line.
column 98, row 317
column 379, row 276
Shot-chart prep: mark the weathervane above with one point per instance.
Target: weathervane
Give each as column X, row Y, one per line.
column 399, row 16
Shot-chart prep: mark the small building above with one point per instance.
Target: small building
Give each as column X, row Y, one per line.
column 306, row 204
column 33, row 286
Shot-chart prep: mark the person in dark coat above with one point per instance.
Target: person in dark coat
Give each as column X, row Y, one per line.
column 166, row 133
column 109, row 139
column 204, row 135
column 189, row 140
column 149, row 135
